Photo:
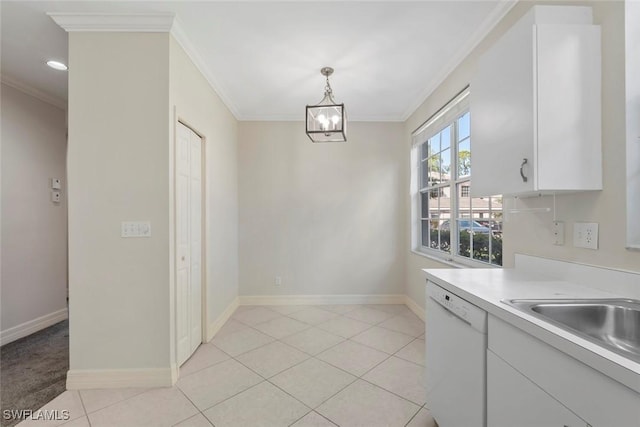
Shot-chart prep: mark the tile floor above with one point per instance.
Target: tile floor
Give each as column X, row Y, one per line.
column 328, row 365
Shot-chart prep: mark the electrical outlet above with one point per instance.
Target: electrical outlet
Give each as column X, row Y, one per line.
column 585, row 235
column 558, row 233
column 278, row 281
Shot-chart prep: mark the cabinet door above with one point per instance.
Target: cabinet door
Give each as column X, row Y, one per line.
column 502, row 115
column 568, row 108
column 513, row 400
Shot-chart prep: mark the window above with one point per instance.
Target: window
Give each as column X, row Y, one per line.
column 448, row 221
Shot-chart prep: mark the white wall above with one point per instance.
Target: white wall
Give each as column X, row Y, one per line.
column 531, row 233
column 118, row 170
column 34, row 229
column 200, row 107
column 327, row 218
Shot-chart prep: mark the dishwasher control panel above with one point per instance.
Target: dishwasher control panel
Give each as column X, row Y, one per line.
column 459, row 307
column 451, row 302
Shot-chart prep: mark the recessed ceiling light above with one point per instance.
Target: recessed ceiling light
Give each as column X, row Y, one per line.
column 57, row 65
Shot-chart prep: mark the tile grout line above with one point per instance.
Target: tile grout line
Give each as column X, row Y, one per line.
column 414, row 415
column 410, row 361
column 206, row 367
column 278, row 373
column 393, row 330
column 84, row 408
column 194, row 405
column 295, row 421
column 226, row 398
column 366, row 345
column 315, row 412
column 419, row 405
column 144, row 391
column 376, row 385
column 240, row 354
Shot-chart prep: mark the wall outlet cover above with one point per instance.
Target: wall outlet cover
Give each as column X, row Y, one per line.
column 585, row 235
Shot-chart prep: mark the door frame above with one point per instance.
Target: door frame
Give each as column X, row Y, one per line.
column 178, row 119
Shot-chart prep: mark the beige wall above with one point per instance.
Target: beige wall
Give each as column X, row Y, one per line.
column 34, row 229
column 327, row 218
column 531, row 233
column 200, row 107
column 118, row 170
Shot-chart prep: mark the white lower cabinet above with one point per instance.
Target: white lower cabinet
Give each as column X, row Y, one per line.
column 531, row 383
column 513, row 400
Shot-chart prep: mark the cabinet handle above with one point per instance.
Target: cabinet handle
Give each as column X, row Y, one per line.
column 524, row 162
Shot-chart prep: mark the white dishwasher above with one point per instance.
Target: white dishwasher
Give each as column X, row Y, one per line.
column 456, row 355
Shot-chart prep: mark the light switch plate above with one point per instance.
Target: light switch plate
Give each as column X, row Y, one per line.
column 56, row 184
column 55, row 196
column 585, row 235
column 135, row 229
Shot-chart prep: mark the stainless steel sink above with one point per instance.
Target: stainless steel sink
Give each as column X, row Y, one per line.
column 611, row 323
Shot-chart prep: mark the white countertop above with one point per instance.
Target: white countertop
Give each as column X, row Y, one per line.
column 485, row 288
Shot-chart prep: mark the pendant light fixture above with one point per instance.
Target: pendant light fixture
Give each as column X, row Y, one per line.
column 327, row 121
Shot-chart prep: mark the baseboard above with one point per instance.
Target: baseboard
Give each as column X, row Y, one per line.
column 35, row 325
column 320, row 299
column 175, row 373
column 80, row 379
column 214, row 327
column 413, row 306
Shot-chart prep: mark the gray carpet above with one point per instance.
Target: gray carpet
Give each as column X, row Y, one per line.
column 33, row 369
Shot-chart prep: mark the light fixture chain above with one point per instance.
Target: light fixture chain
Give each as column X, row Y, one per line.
column 327, row 88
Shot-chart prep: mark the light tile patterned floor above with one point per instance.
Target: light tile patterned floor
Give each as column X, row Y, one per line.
column 326, row 365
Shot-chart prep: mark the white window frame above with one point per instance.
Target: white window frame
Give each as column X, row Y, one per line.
column 445, row 117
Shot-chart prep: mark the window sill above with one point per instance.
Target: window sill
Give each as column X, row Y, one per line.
column 456, row 263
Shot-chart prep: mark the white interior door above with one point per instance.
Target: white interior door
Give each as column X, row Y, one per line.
column 189, row 241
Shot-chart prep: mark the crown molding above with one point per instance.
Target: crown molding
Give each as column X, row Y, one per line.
column 502, row 8
column 161, row 22
column 116, row 22
column 301, row 118
column 180, row 36
column 32, row 91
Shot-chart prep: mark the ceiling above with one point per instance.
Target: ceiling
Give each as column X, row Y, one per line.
column 264, row 58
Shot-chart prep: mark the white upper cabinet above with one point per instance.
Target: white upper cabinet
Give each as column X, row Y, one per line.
column 535, row 106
